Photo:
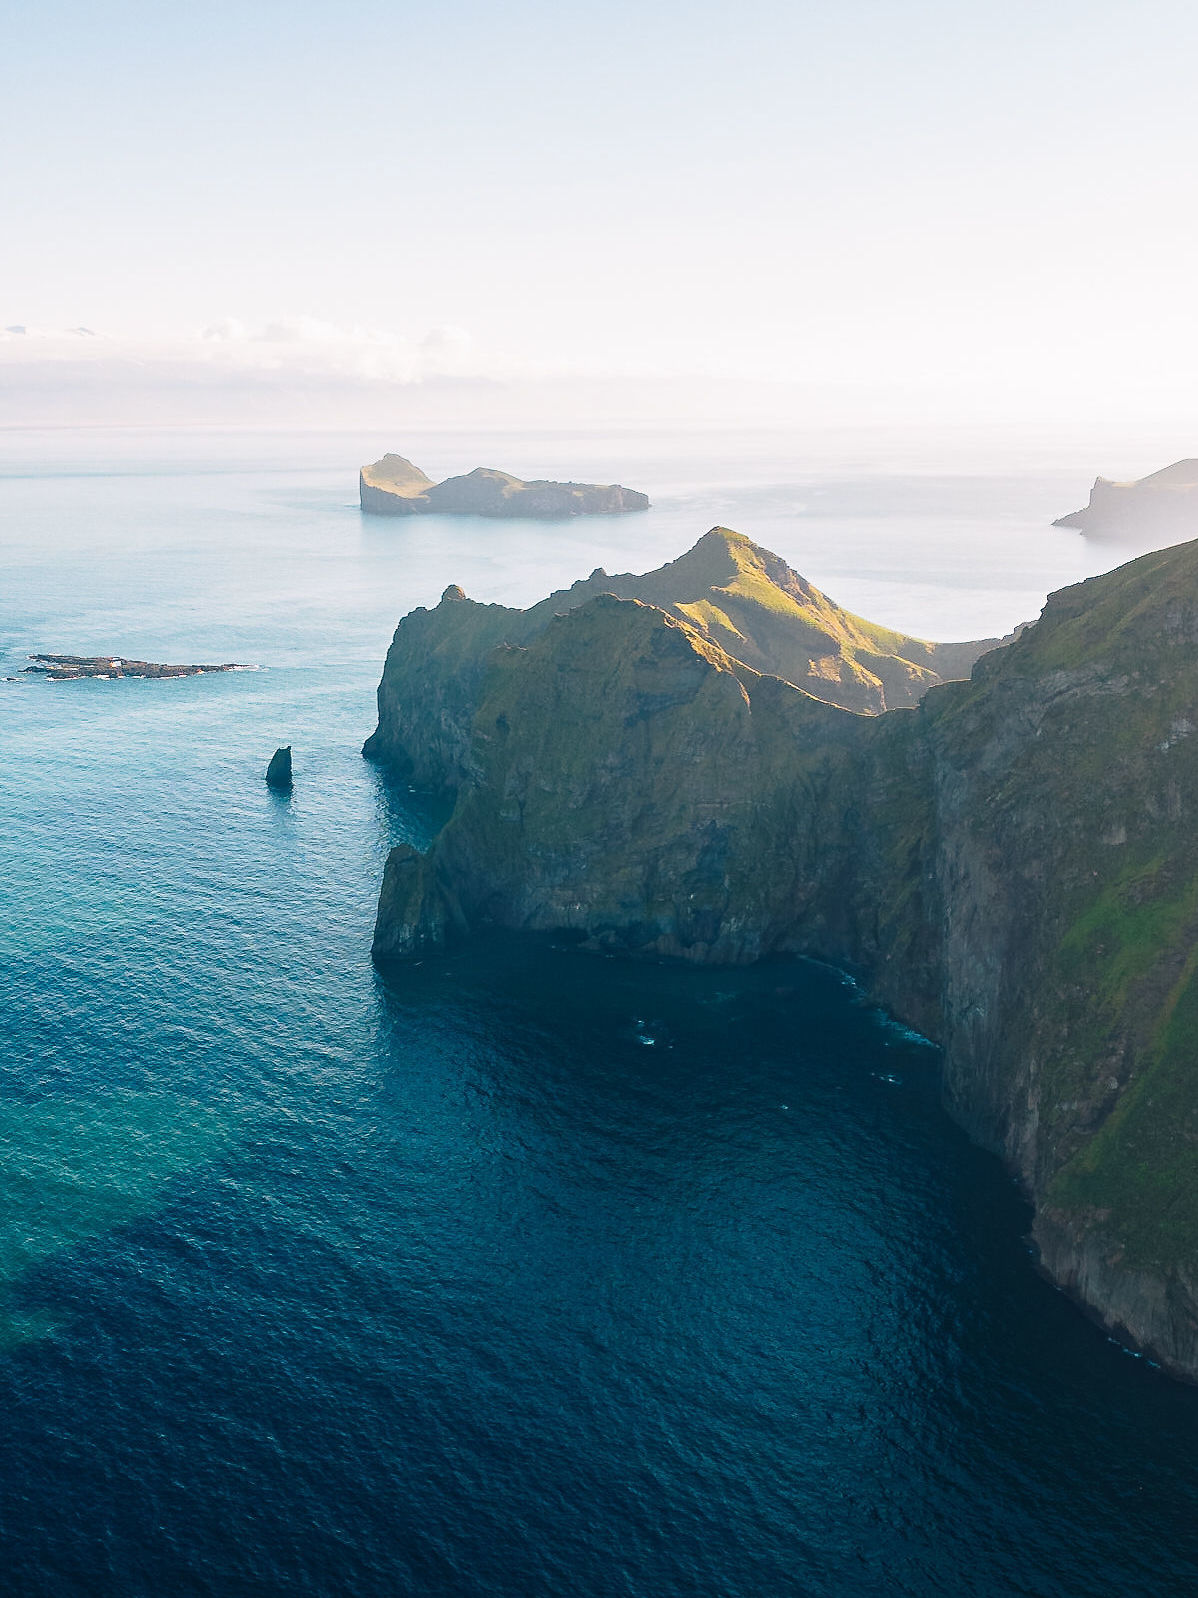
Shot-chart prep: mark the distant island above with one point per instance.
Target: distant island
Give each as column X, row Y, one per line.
column 1159, row 508
column 65, row 668
column 714, row 762
column 393, row 486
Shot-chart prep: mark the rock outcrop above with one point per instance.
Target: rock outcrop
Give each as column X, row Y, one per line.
column 69, row 668
column 1159, row 509
column 278, row 772
column 1012, row 866
column 382, row 486
column 394, row 487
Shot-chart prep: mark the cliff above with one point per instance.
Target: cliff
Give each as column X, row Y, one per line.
column 1066, row 869
column 1156, row 509
column 578, row 818
column 394, row 487
column 1012, row 866
column 382, row 486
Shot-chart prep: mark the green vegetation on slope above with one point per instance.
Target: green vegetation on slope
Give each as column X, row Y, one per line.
column 756, row 608
column 1135, row 950
column 743, row 600
column 635, row 783
column 1072, row 759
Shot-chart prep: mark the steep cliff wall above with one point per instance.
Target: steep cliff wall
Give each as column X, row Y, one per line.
column 1160, row 507
column 430, row 689
column 1013, row 866
column 637, row 785
column 1065, row 780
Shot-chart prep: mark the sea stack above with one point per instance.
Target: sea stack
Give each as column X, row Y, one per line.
column 278, row 773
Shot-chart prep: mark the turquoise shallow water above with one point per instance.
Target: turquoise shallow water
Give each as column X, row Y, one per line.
column 518, row 1273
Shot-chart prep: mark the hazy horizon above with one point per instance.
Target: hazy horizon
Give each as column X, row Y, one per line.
column 882, row 217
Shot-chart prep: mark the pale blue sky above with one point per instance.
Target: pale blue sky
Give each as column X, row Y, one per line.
column 984, row 197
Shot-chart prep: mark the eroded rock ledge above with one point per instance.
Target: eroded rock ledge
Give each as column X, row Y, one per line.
column 1013, row 864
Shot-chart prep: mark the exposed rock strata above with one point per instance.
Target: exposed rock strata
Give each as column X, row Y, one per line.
column 1013, row 866
column 1156, row 509
column 394, row 487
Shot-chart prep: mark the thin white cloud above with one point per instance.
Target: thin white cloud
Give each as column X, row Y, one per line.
column 306, row 330
column 29, row 337
column 445, row 352
column 300, row 347
column 227, row 328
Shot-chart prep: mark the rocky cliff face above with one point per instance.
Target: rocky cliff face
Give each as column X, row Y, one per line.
column 1154, row 509
column 385, row 487
column 635, row 784
column 430, row 689
column 1013, row 865
column 1066, row 865
column 394, row 487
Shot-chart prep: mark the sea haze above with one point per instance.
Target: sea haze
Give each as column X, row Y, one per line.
column 518, row 1272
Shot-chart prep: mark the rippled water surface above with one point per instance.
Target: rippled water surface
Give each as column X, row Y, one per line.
column 518, row 1272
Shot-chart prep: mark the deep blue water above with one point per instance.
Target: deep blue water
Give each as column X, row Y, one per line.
column 516, row 1273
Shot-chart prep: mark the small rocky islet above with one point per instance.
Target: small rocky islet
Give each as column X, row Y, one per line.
column 393, row 486
column 68, row 668
column 278, row 771
column 715, row 762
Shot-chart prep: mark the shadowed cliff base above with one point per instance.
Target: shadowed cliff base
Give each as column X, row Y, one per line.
column 1013, row 864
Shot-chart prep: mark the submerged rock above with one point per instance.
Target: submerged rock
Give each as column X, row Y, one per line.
column 394, row 487
column 278, row 772
column 1012, row 866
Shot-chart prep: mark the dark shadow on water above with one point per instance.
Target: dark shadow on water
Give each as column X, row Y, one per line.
column 582, row 1275
column 405, row 814
column 760, row 1153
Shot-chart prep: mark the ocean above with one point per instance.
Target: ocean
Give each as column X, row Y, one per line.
column 519, row 1272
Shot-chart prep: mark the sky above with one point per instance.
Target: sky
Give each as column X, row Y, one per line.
column 875, row 210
